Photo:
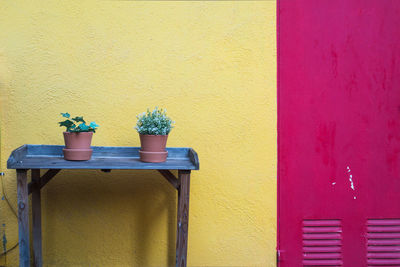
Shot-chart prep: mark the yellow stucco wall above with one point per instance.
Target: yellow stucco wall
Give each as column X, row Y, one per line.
column 211, row 64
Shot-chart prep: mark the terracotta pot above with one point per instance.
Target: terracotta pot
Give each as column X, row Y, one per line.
column 77, row 146
column 153, row 148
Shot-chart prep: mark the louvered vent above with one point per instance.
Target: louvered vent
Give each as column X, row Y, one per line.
column 322, row 243
column 383, row 238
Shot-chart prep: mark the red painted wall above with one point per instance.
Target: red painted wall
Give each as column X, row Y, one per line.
column 339, row 132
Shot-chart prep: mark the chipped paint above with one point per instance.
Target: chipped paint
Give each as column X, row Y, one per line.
column 351, row 181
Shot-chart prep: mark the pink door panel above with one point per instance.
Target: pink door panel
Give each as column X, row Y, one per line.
column 339, row 132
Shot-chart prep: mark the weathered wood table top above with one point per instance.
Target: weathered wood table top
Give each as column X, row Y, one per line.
column 51, row 157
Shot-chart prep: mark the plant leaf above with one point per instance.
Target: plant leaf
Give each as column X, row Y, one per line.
column 93, row 125
column 154, row 122
column 83, row 127
column 79, row 119
column 66, row 123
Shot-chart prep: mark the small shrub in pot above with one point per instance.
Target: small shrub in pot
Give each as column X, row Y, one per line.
column 77, row 137
column 153, row 128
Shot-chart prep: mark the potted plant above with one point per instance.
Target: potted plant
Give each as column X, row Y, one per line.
column 77, row 137
column 153, row 128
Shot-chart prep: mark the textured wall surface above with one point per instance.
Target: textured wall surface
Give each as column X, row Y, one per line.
column 211, row 64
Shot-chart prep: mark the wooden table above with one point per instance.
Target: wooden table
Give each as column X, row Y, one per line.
column 38, row 157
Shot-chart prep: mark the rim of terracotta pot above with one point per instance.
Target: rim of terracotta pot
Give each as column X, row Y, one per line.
column 78, row 132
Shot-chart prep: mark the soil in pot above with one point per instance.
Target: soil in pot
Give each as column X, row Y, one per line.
column 153, row 148
column 77, row 146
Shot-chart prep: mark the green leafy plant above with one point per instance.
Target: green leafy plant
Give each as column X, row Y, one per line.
column 77, row 124
column 154, row 122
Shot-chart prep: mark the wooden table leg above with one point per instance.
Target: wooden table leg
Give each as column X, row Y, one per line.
column 36, row 218
column 183, row 218
column 23, row 217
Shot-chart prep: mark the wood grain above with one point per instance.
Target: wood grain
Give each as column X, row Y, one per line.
column 124, row 158
column 45, row 179
column 170, row 177
column 183, row 218
column 194, row 158
column 36, row 218
column 23, row 217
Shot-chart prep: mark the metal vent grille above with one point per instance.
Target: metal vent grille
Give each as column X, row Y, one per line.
column 322, row 243
column 383, row 239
